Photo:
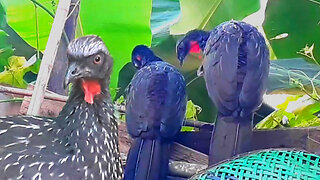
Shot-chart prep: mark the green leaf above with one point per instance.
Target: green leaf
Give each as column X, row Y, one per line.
column 192, row 112
column 120, row 100
column 275, row 119
column 5, row 49
column 122, row 24
column 305, row 116
column 207, row 14
column 279, row 73
column 300, row 20
column 22, row 17
column 3, row 15
column 289, row 99
column 13, row 75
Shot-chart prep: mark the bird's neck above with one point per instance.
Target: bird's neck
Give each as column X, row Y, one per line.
column 80, row 120
column 90, row 132
column 200, row 37
column 151, row 60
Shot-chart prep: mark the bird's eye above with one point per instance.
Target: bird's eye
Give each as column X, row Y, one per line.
column 97, row 59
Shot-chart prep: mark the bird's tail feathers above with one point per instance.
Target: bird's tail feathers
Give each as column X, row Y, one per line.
column 231, row 136
column 147, row 160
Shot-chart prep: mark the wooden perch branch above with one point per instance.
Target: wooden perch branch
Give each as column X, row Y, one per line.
column 49, row 56
column 26, row 92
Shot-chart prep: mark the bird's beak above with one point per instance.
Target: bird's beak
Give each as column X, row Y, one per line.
column 200, row 71
column 71, row 73
column 136, row 65
column 181, row 62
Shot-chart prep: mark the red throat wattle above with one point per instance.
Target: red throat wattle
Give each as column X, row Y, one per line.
column 195, row 48
column 90, row 89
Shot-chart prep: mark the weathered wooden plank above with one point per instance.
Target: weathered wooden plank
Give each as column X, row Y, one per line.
column 180, row 152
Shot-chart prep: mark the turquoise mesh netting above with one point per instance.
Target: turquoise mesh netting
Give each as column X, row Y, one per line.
column 267, row 164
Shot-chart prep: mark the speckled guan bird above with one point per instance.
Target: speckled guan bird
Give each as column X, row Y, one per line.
column 155, row 111
column 82, row 142
column 235, row 69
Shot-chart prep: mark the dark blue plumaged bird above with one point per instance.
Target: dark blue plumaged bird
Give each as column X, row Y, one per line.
column 155, row 110
column 235, row 69
column 82, row 142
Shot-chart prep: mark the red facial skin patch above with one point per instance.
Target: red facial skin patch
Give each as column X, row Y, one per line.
column 90, row 89
column 139, row 58
column 195, row 48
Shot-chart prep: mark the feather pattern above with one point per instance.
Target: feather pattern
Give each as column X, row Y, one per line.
column 155, row 110
column 236, row 67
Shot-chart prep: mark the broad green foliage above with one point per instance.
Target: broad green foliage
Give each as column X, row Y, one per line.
column 22, row 16
column 13, row 68
column 303, row 116
column 277, row 118
column 5, row 50
column 281, row 71
column 300, row 20
column 122, row 24
column 206, row 14
column 304, row 77
column 3, row 20
column 14, row 72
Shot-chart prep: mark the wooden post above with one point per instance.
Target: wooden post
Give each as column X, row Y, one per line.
column 49, row 56
column 60, row 63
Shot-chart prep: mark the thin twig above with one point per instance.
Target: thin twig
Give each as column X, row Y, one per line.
column 192, row 80
column 43, row 7
column 52, row 15
column 11, row 100
column 73, row 9
column 37, row 30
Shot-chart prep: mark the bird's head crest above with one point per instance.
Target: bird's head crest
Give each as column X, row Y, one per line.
column 89, row 66
column 142, row 55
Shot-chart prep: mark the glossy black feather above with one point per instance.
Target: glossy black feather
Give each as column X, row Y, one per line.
column 155, row 110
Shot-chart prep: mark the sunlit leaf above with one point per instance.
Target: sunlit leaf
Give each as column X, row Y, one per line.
column 191, row 114
column 289, row 99
column 305, row 116
column 13, row 75
column 206, row 14
column 22, row 16
column 300, row 20
column 280, row 69
column 5, row 50
column 276, row 118
column 122, row 24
